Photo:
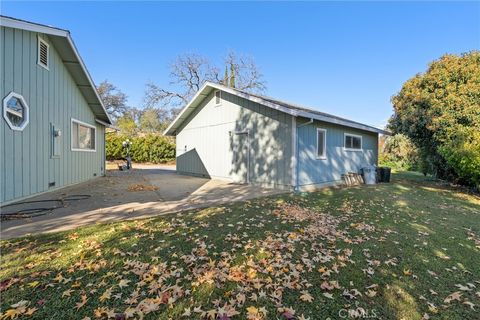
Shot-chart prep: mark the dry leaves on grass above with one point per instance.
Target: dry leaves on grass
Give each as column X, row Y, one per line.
column 252, row 270
column 148, row 286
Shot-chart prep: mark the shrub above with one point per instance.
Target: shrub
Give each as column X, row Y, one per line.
column 152, row 148
column 439, row 111
column 400, row 153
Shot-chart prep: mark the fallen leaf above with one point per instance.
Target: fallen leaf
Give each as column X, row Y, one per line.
column 306, row 296
column 454, row 296
column 80, row 304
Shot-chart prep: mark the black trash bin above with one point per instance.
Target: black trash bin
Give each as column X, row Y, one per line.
column 386, row 174
column 383, row 174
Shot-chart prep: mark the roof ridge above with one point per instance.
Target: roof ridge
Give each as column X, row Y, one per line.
column 36, row 23
column 282, row 106
column 297, row 106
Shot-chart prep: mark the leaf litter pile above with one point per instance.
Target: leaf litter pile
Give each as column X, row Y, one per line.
column 315, row 256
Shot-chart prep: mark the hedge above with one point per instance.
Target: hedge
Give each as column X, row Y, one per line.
column 151, row 148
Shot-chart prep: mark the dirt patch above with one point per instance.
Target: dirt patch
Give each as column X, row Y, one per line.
column 141, row 187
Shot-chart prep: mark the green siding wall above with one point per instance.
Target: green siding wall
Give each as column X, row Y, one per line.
column 312, row 171
column 207, row 144
column 27, row 161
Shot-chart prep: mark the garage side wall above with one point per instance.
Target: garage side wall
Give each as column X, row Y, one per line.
column 28, row 163
column 313, row 171
column 213, row 142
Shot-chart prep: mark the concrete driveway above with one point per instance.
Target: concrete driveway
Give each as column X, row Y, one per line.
column 115, row 197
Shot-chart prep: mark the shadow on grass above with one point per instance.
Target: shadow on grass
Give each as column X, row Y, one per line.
column 399, row 221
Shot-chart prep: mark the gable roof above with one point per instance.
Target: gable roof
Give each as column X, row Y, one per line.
column 64, row 45
column 289, row 108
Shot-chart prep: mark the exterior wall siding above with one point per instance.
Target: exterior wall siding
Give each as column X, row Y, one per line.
column 27, row 161
column 313, row 171
column 213, row 142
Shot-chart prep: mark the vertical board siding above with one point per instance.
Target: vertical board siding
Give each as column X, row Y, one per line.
column 2, row 125
column 338, row 161
column 26, row 161
column 214, row 150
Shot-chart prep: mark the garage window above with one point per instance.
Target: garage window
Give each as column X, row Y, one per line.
column 83, row 136
column 321, row 143
column 353, row 142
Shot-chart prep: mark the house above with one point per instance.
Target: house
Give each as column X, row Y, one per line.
column 226, row 133
column 53, row 123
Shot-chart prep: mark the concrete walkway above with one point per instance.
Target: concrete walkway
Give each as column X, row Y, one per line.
column 111, row 199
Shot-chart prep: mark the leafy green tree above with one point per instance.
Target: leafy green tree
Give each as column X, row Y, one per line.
column 439, row 110
column 127, row 124
column 150, row 121
column 399, row 152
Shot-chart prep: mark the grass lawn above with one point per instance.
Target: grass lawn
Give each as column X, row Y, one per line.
column 405, row 250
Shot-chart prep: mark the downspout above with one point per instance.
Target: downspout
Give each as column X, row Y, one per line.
column 104, row 151
column 298, row 152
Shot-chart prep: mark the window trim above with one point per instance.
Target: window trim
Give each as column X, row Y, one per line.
column 324, row 156
column 13, row 94
column 215, row 98
column 40, row 40
column 86, row 125
column 345, row 134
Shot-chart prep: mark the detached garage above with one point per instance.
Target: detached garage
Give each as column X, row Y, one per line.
column 226, row 133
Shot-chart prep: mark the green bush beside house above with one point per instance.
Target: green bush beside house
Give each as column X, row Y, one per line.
column 151, row 148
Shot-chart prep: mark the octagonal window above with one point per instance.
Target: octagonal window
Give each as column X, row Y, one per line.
column 15, row 111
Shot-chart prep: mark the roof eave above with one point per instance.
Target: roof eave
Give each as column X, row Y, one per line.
column 341, row 122
column 51, row 31
column 89, row 77
column 171, row 130
column 30, row 26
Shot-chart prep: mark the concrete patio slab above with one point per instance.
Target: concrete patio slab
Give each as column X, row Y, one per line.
column 111, row 200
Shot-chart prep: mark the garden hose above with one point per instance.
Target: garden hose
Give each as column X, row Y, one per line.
column 35, row 212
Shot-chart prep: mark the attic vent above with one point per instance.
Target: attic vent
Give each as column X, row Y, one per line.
column 218, row 97
column 43, row 49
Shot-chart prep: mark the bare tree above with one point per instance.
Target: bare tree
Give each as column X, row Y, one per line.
column 190, row 71
column 247, row 75
column 114, row 100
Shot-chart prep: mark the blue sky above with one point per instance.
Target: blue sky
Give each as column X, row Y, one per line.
column 345, row 58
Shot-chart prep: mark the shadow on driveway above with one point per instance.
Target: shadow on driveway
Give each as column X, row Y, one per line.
column 111, row 200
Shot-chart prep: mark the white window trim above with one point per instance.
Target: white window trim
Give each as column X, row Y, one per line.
column 352, row 135
column 26, row 113
column 86, row 125
column 215, row 98
column 324, row 156
column 40, row 40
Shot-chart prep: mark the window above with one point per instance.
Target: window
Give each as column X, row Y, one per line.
column 321, row 143
column 353, row 142
column 43, row 52
column 218, row 97
column 83, row 136
column 15, row 111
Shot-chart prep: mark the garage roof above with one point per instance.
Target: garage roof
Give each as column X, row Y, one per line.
column 63, row 43
column 289, row 108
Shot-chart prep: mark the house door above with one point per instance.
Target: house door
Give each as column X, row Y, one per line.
column 241, row 157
